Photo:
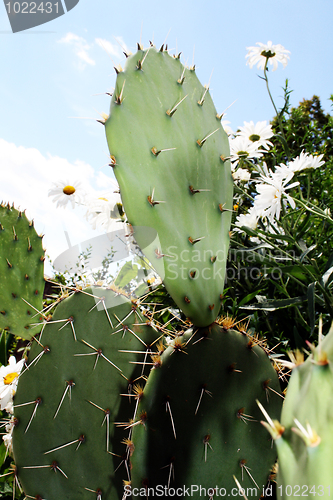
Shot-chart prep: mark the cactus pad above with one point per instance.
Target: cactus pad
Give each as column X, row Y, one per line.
column 200, row 420
column 169, row 154
column 66, row 441
column 22, row 273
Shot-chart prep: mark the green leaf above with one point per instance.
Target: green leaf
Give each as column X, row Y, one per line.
column 273, row 305
column 311, row 305
column 126, row 274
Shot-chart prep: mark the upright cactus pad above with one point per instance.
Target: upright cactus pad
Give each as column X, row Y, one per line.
column 200, row 422
column 169, row 153
column 74, row 393
column 305, row 441
column 21, row 271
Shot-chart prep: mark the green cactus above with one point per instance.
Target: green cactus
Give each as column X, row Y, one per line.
column 199, row 416
column 74, row 392
column 304, row 438
column 22, row 273
column 169, row 153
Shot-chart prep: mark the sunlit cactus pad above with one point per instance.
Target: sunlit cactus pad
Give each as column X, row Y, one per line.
column 22, row 273
column 66, row 442
column 168, row 150
column 305, row 447
column 200, row 422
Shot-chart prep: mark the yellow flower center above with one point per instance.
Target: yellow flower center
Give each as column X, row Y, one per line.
column 69, row 190
column 8, row 379
column 254, row 137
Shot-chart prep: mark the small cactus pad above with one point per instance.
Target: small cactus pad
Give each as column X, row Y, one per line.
column 169, row 154
column 200, row 419
column 305, row 447
column 73, row 394
column 22, row 273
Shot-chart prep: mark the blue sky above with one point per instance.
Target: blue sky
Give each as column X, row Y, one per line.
column 54, row 78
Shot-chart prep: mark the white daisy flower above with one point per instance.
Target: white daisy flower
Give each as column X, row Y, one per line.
column 241, row 147
column 271, row 195
column 64, row 192
column 304, row 161
column 258, row 133
column 274, row 53
column 8, row 381
column 242, row 175
column 250, row 219
column 104, row 212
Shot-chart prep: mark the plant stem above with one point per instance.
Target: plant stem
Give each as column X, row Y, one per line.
column 285, row 145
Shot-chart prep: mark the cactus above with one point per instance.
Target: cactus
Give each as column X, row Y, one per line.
column 170, row 157
column 200, row 419
column 22, row 273
column 66, row 444
column 304, row 438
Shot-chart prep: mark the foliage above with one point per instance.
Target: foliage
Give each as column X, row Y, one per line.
column 284, row 280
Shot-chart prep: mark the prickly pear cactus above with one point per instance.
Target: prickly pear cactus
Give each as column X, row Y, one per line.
column 73, row 394
column 198, row 419
column 22, row 273
column 304, row 438
column 169, row 154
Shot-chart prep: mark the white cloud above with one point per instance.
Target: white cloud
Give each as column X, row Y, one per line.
column 113, row 49
column 81, row 48
column 25, row 179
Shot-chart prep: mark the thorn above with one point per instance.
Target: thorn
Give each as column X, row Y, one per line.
column 107, row 419
column 9, row 264
column 37, row 403
column 193, row 241
column 243, row 417
column 206, row 90
column 54, row 466
column 98, row 353
column 151, row 200
column 170, row 112
column 247, row 470
column 168, row 409
column 15, row 235
column 203, row 391
column 202, row 100
column 102, row 300
column 194, row 191
column 206, row 444
column 140, row 63
column 182, row 78
column 70, row 384
column 222, row 209
column 80, row 440
column 156, row 151
column 240, row 489
column 119, row 98
column 159, row 255
column 202, row 141
column 70, row 321
column 98, row 493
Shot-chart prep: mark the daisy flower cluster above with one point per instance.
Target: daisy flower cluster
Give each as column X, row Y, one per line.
column 9, row 376
column 272, row 190
column 102, row 209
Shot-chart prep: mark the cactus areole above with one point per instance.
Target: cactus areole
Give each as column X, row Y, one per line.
column 168, row 150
